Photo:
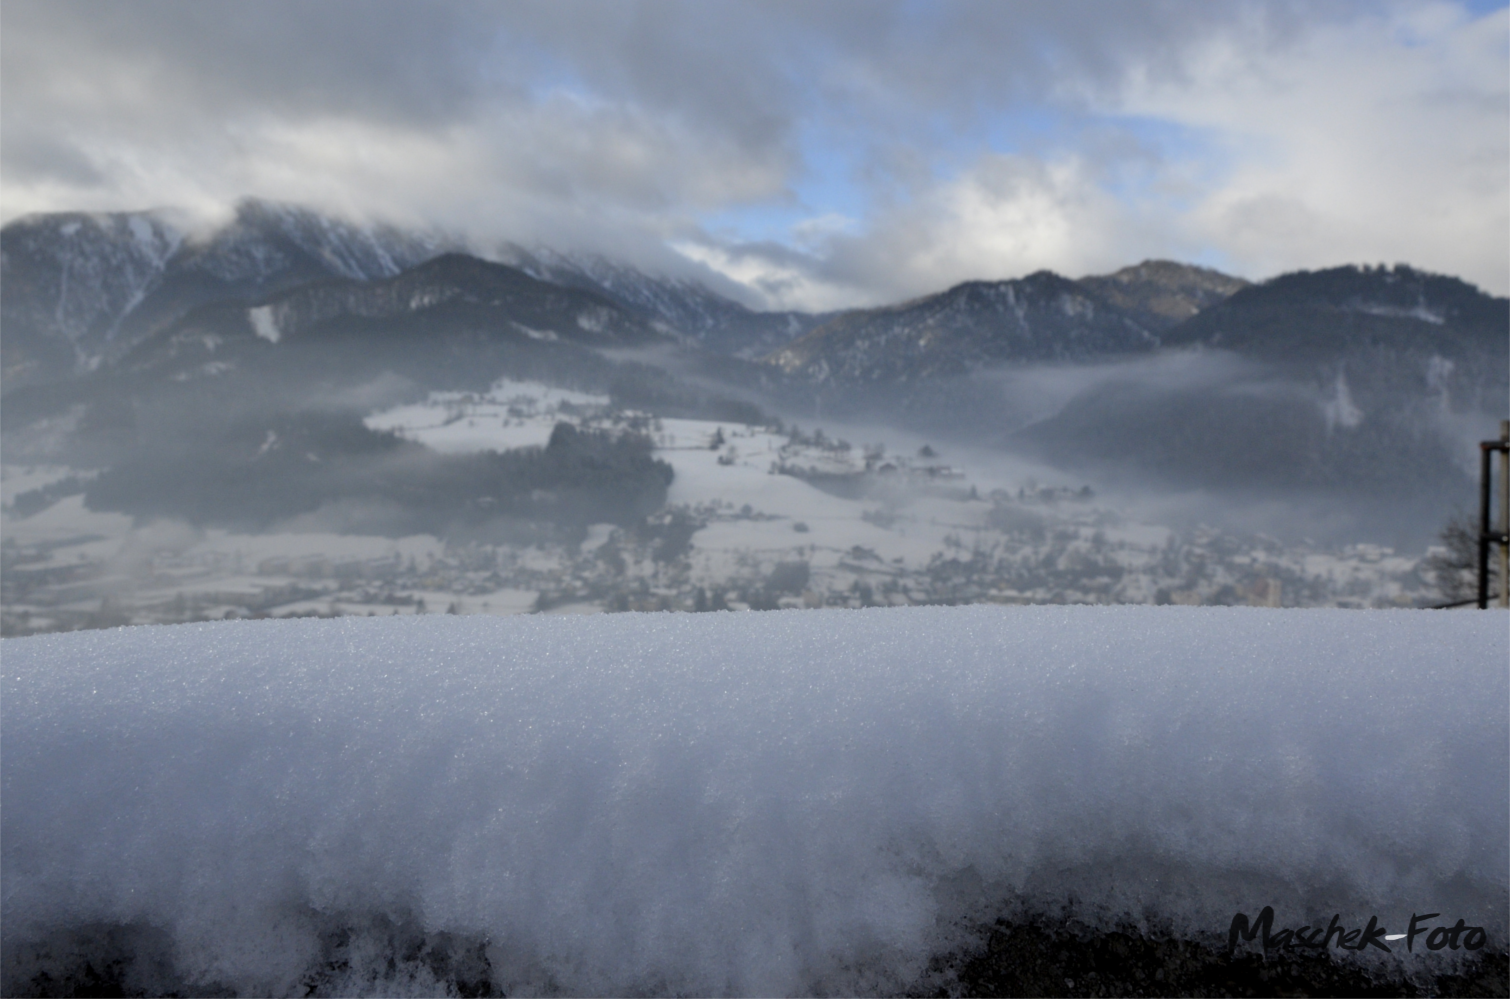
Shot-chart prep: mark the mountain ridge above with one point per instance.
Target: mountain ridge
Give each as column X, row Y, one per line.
column 83, row 289
column 694, row 312
column 1041, row 317
column 67, row 309
column 1347, row 300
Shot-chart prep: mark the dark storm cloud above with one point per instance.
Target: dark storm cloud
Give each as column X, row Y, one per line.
column 38, row 156
column 741, row 71
column 163, row 59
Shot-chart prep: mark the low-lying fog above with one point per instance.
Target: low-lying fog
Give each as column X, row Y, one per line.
column 1182, row 477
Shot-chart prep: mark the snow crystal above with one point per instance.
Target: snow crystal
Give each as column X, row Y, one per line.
column 753, row 803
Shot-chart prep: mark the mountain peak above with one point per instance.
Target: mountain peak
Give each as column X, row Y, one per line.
column 1161, row 293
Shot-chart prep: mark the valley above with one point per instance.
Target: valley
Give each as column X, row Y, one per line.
column 359, row 421
column 755, row 517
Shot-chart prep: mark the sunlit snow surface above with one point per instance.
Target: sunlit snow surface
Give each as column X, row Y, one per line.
column 511, row 415
column 756, row 803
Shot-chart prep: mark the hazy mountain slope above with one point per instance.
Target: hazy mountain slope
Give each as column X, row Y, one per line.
column 1042, row 317
column 240, row 415
column 688, row 308
column 1372, row 383
column 458, row 283
column 68, row 280
column 269, row 248
column 453, row 314
column 1315, row 315
column 81, row 289
column 455, row 323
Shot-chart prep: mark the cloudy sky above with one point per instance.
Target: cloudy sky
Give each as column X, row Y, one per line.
column 820, row 154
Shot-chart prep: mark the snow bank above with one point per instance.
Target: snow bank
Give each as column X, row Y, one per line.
column 786, row 802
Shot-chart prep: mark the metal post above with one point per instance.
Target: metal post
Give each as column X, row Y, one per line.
column 1489, row 535
column 1484, row 494
column 1504, row 451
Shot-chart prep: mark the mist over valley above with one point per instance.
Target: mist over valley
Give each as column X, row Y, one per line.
column 293, row 414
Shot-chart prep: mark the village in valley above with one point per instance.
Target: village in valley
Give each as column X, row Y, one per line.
column 756, row 517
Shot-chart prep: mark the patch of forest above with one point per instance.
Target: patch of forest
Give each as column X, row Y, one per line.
column 258, row 473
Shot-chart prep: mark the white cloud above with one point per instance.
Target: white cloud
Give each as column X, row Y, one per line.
column 1378, row 138
column 1003, row 217
column 1381, row 139
column 781, row 278
column 1318, row 135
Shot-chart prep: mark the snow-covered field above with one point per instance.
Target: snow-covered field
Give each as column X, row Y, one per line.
column 512, row 415
column 763, row 498
column 757, row 804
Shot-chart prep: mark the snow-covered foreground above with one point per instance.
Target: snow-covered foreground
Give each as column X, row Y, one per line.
column 748, row 803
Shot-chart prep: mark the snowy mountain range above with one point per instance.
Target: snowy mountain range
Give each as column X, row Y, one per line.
column 82, row 290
